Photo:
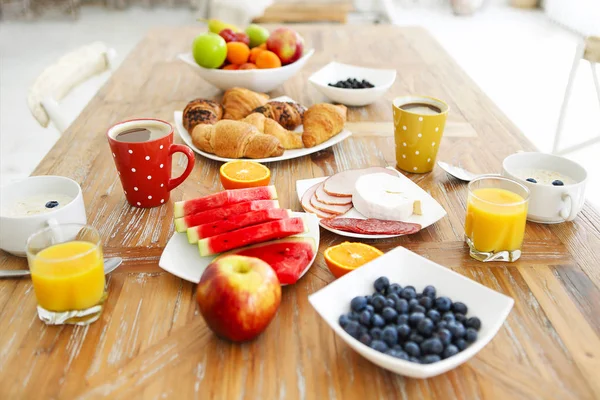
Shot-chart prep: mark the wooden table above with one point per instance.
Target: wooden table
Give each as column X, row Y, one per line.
column 151, row 343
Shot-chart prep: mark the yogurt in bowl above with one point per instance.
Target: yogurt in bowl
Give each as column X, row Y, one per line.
column 31, row 204
column 556, row 184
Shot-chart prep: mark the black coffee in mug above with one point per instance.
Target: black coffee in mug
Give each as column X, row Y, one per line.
column 144, row 132
column 421, row 108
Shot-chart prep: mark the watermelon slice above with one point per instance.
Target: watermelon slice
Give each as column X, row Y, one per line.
column 218, row 214
column 235, row 222
column 250, row 235
column 226, row 197
column 288, row 257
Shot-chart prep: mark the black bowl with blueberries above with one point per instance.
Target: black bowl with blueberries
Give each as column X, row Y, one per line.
column 418, row 327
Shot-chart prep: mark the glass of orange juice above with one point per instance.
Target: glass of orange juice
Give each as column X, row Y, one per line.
column 496, row 216
column 67, row 271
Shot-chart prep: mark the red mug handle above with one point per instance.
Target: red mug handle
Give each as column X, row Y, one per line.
column 179, row 148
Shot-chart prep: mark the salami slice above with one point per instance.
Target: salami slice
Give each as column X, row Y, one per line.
column 382, row 227
column 341, row 224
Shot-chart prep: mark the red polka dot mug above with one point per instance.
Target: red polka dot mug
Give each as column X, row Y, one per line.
column 142, row 150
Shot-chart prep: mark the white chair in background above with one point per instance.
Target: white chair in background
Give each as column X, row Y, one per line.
column 57, row 80
column 588, row 50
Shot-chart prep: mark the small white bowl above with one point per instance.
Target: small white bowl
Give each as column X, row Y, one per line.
column 333, row 72
column 258, row 80
column 407, row 268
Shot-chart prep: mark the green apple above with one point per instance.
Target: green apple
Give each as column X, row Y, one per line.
column 257, row 34
column 210, row 50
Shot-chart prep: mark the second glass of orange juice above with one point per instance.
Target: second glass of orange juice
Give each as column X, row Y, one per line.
column 496, row 217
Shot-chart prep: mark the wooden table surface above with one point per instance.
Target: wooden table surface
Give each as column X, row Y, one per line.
column 151, row 342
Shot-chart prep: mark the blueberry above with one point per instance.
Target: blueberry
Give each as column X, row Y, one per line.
column 398, row 347
column 448, row 316
column 365, row 338
column 432, row 346
column 402, row 355
column 412, row 349
column 419, row 308
column 531, row 180
column 358, row 303
column 343, row 320
column 393, row 296
column 426, row 302
column 365, row 318
column 461, row 344
column 460, row 318
column 390, row 303
column 389, row 314
column 403, row 331
column 390, row 335
column 379, row 346
column 445, row 336
column 442, row 325
column 415, row 337
column 434, row 315
column 415, row 360
column 414, row 318
column 412, row 303
column 443, row 304
column 381, row 284
column 377, row 320
column 354, row 316
column 394, row 288
column 456, row 329
column 376, row 333
column 362, row 330
column 370, row 308
column 471, row 335
column 352, row 328
column 402, row 306
column 557, row 182
column 52, row 204
column 391, row 352
column 425, row 327
column 459, row 307
column 378, row 302
column 430, row 359
column 474, row 323
column 408, row 293
column 430, row 292
column 369, row 300
column 450, row 351
column 410, row 287
column 402, row 319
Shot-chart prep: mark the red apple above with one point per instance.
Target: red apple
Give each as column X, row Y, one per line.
column 238, row 297
column 287, row 44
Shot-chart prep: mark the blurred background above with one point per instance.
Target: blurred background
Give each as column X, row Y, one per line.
column 522, row 53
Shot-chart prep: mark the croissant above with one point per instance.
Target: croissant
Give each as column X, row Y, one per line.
column 289, row 140
column 235, row 139
column 322, row 122
column 288, row 115
column 201, row 111
column 240, row 102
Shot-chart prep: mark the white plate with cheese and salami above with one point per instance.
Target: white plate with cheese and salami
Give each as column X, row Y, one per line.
column 394, row 204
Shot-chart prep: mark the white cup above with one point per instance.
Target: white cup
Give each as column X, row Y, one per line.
column 16, row 229
column 549, row 204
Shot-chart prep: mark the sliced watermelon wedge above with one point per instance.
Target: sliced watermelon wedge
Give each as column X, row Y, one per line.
column 234, row 222
column 251, row 235
column 226, row 197
column 221, row 213
column 288, row 257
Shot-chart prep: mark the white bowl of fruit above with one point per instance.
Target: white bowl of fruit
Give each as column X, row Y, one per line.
column 256, row 59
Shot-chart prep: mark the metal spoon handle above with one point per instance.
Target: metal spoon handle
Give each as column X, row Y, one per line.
column 110, row 264
column 14, row 273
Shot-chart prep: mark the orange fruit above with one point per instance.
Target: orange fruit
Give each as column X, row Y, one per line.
column 248, row 66
column 254, row 54
column 267, row 59
column 231, row 67
column 237, row 52
column 244, row 174
column 263, row 46
column 348, row 256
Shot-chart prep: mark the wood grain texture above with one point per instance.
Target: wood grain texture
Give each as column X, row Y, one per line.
column 150, row 341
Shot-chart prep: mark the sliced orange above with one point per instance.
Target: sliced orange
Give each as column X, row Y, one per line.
column 347, row 256
column 244, row 174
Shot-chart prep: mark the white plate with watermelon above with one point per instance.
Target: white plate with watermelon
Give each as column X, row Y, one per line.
column 287, row 155
column 183, row 259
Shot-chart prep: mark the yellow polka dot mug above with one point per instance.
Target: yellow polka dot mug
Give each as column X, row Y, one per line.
column 418, row 127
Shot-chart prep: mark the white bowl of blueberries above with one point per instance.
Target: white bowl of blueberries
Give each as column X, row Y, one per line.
column 352, row 85
column 410, row 315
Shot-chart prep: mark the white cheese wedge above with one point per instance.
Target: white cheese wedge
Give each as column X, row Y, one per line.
column 383, row 196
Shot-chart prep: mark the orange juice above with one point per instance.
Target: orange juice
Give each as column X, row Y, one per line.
column 495, row 220
column 68, row 276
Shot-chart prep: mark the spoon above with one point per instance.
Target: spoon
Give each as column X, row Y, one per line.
column 110, row 264
column 457, row 172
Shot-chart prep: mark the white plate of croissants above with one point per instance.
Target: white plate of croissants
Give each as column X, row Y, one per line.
column 248, row 124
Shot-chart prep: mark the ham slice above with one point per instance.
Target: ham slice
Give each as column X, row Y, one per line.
column 342, row 183
column 330, row 208
column 309, row 208
column 326, row 198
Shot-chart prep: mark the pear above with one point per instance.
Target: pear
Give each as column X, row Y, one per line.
column 216, row 25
